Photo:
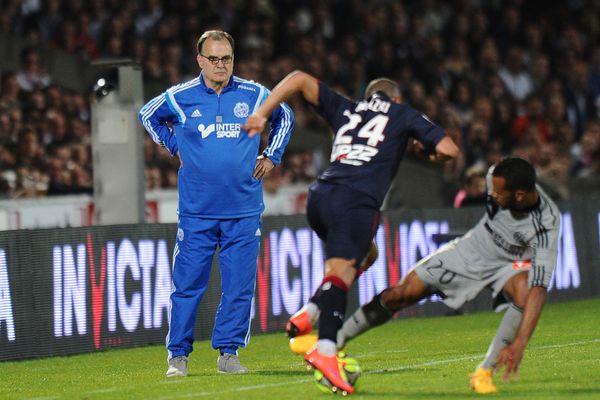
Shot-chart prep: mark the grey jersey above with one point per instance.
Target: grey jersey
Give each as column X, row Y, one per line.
column 504, row 236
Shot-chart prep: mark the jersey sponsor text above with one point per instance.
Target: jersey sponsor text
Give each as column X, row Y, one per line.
column 222, row 130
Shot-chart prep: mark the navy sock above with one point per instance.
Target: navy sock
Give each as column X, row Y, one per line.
column 316, row 298
column 332, row 301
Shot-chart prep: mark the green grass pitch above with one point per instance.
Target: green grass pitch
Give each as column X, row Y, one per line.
column 423, row 358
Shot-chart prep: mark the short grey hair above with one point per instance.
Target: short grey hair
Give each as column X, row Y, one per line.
column 215, row 35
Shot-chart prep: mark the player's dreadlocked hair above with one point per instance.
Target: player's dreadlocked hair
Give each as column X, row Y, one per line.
column 389, row 87
column 518, row 174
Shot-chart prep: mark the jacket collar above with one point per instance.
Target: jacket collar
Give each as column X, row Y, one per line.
column 230, row 85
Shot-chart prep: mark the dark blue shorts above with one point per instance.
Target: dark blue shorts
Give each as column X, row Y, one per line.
column 344, row 218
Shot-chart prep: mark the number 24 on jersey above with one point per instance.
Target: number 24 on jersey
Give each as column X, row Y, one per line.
column 347, row 152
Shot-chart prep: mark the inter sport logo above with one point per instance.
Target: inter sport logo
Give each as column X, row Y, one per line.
column 222, row 130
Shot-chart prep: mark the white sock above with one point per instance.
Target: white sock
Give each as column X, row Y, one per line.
column 353, row 326
column 326, row 347
column 504, row 335
column 313, row 312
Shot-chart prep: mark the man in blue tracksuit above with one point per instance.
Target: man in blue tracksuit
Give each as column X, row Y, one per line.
column 220, row 195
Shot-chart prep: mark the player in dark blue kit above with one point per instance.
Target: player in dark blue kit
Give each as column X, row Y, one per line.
column 371, row 137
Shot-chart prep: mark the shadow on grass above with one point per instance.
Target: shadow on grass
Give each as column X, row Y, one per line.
column 292, row 373
column 402, row 394
column 262, row 372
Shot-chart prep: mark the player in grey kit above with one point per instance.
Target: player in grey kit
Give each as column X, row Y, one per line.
column 512, row 250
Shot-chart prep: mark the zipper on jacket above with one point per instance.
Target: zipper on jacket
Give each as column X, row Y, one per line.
column 219, row 117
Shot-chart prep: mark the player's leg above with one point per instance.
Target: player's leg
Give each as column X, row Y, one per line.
column 382, row 307
column 327, row 211
column 349, row 242
column 515, row 292
column 305, row 319
column 368, row 260
column 430, row 275
column 332, row 297
column 352, row 219
column 192, row 256
column 238, row 253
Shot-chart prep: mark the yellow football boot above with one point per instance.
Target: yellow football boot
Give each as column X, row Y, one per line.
column 481, row 381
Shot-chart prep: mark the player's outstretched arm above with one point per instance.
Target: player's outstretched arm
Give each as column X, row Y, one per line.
column 295, row 82
column 510, row 357
column 445, row 150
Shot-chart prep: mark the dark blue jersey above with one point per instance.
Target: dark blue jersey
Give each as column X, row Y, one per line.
column 370, row 139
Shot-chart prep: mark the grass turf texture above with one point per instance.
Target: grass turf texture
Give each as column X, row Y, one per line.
column 421, row 358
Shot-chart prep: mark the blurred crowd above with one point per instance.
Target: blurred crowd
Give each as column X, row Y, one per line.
column 504, row 77
column 44, row 135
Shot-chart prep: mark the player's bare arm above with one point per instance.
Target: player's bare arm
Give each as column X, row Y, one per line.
column 445, row 150
column 295, row 82
column 510, row 357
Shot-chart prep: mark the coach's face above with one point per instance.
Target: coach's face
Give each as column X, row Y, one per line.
column 216, row 61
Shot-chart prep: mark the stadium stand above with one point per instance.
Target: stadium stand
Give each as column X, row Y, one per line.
column 506, row 78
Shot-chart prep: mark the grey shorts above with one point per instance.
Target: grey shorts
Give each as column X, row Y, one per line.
column 457, row 280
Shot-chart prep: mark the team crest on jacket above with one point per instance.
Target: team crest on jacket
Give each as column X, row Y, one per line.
column 241, row 110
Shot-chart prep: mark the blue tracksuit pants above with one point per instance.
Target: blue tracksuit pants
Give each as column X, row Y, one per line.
column 197, row 240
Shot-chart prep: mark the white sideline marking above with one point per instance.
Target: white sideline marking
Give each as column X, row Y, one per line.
column 377, row 371
column 238, row 389
column 475, row 356
column 105, row 390
column 44, row 398
column 370, row 353
column 425, row 364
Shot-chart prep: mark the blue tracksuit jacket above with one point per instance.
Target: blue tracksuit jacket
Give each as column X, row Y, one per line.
column 218, row 158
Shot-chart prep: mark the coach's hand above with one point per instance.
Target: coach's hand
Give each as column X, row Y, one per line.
column 263, row 165
column 510, row 357
column 254, row 125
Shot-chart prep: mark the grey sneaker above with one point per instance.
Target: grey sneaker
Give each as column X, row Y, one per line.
column 177, row 366
column 230, row 364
